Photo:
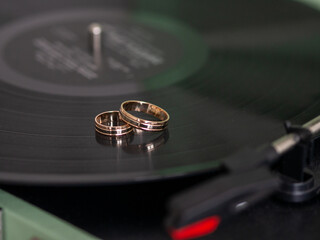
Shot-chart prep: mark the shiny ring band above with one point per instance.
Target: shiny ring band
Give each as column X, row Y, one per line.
column 109, row 123
column 145, row 107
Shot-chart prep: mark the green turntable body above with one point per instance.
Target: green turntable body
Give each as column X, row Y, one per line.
column 23, row 221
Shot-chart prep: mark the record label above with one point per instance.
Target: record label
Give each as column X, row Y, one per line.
column 51, row 53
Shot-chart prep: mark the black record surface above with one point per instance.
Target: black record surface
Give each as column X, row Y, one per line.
column 252, row 68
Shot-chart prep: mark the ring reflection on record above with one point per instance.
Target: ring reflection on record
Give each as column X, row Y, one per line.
column 114, row 141
column 110, row 124
column 146, row 141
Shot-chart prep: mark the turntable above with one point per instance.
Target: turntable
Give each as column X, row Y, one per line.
column 229, row 74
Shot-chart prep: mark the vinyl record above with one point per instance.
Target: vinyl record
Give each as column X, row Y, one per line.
column 227, row 82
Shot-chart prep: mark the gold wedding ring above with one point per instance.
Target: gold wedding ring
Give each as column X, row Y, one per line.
column 145, row 107
column 110, row 123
